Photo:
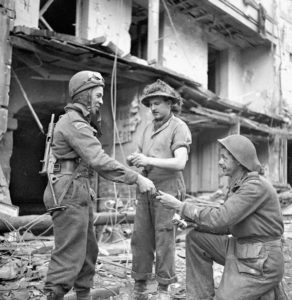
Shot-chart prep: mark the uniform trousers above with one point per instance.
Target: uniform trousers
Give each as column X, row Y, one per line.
column 74, row 256
column 251, row 270
column 154, row 233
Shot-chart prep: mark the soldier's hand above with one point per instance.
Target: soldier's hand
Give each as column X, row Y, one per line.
column 139, row 160
column 129, row 160
column 145, row 185
column 169, row 201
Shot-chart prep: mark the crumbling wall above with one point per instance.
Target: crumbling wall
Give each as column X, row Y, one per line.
column 110, row 19
column 7, row 16
column 27, row 13
column 249, row 77
column 184, row 50
column 259, row 80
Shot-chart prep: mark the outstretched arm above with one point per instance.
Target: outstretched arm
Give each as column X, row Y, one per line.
column 176, row 163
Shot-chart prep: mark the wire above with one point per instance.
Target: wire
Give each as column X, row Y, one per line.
column 177, row 36
column 116, row 137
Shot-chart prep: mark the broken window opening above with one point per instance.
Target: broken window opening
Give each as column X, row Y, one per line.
column 289, row 162
column 139, row 30
column 213, row 66
column 60, row 16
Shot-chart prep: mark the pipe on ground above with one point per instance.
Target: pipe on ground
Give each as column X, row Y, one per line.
column 41, row 223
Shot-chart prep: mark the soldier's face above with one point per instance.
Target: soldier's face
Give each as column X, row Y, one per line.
column 96, row 99
column 228, row 164
column 160, row 108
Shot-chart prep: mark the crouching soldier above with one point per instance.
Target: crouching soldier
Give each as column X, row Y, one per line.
column 76, row 148
column 244, row 234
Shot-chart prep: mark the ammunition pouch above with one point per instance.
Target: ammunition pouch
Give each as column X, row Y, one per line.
column 65, row 166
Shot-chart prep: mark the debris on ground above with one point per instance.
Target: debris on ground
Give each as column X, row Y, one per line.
column 25, row 258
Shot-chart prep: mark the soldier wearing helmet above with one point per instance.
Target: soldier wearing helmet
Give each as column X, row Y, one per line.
column 244, row 234
column 77, row 150
column 162, row 154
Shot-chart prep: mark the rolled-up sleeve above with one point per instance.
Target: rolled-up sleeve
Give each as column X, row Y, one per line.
column 182, row 137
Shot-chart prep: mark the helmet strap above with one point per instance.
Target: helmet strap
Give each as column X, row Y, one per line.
column 95, row 121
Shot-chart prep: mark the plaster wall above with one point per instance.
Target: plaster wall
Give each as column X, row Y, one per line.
column 286, row 75
column 108, row 18
column 286, row 61
column 228, row 83
column 260, row 87
column 184, row 51
column 248, row 77
column 27, row 13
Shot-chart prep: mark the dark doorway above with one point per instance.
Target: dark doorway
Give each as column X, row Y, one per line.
column 213, row 62
column 27, row 185
column 138, row 29
column 289, row 162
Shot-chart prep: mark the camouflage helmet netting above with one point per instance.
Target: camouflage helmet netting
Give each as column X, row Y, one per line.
column 160, row 89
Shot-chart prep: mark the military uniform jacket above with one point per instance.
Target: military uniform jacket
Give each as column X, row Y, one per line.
column 74, row 138
column 251, row 209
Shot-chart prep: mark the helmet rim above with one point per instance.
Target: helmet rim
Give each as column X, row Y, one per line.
column 146, row 99
column 243, row 150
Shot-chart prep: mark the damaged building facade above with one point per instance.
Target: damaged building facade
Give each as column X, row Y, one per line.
column 230, row 60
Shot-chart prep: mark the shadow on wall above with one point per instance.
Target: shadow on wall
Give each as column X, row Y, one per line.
column 27, row 185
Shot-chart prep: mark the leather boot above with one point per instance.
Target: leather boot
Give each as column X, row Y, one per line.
column 83, row 295
column 53, row 296
column 140, row 290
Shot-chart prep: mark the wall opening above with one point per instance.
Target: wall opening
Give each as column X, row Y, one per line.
column 213, row 63
column 289, row 162
column 61, row 16
column 138, row 29
column 27, row 185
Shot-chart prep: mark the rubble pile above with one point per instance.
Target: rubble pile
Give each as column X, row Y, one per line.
column 25, row 258
column 23, row 265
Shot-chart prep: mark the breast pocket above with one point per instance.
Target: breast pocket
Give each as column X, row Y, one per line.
column 251, row 259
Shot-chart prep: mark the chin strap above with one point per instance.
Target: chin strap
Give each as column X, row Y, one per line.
column 95, row 122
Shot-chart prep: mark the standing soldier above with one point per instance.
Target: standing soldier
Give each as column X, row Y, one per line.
column 163, row 153
column 76, row 149
column 252, row 256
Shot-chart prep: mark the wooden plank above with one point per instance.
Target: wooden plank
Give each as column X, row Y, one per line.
column 45, row 7
column 214, row 115
column 8, row 209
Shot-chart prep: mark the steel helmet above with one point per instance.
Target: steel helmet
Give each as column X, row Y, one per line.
column 157, row 89
column 84, row 80
column 243, row 151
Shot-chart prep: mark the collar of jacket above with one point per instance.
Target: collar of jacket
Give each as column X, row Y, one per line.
column 238, row 182
column 157, row 125
column 78, row 107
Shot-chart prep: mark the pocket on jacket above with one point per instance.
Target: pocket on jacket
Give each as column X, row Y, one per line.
column 251, row 258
